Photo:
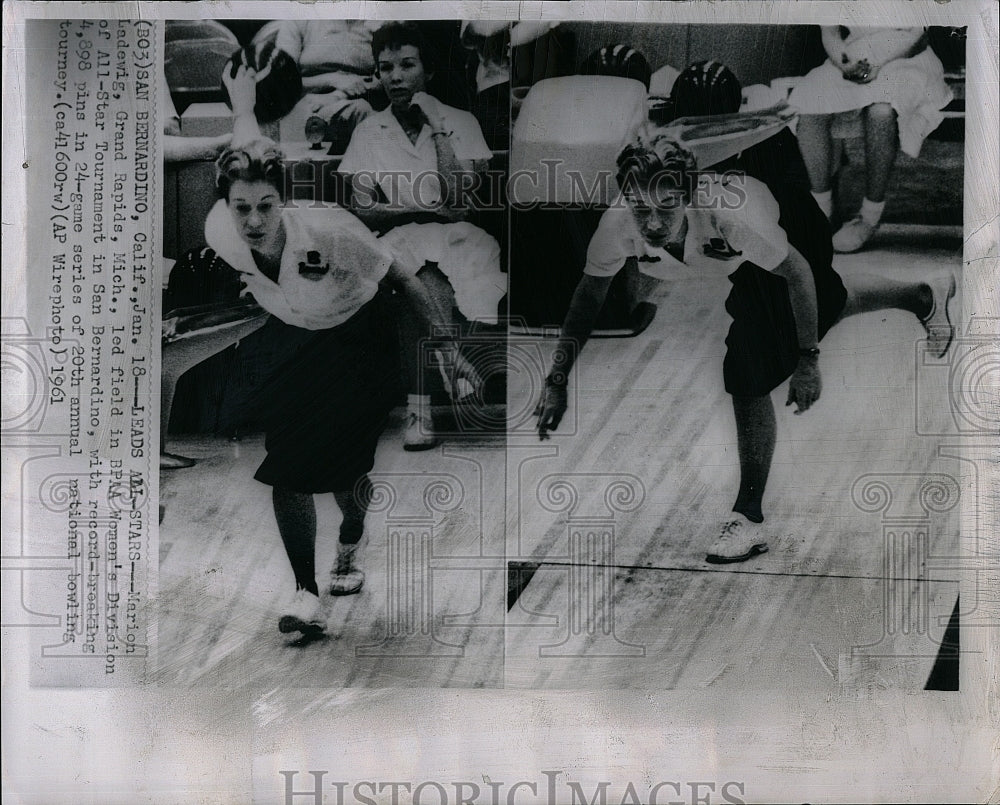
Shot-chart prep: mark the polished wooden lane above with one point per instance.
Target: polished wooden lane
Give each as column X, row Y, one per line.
column 617, row 510
column 611, row 519
column 432, row 609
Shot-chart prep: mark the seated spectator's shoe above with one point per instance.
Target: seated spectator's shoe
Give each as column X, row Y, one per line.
column 853, row 235
column 419, row 431
column 937, row 323
column 739, row 540
column 345, row 577
column 305, row 614
column 170, row 461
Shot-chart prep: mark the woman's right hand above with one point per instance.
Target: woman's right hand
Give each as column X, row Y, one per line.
column 429, row 109
column 551, row 407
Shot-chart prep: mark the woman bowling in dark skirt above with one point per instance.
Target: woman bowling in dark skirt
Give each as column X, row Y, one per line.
column 324, row 279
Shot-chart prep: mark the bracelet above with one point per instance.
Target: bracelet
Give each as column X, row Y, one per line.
column 809, row 352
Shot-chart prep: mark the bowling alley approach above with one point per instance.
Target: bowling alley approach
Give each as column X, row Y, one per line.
column 563, row 355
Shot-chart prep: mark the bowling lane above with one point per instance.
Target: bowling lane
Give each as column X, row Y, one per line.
column 431, row 613
column 862, row 494
column 738, row 630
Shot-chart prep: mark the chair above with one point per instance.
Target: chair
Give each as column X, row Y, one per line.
column 194, row 55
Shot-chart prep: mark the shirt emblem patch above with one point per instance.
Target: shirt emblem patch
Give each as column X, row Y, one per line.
column 313, row 264
column 719, row 249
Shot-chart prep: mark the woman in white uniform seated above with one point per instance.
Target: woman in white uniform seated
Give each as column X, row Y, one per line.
column 411, row 168
column 892, row 81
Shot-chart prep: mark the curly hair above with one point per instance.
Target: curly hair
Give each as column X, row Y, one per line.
column 394, row 35
column 259, row 160
column 656, row 159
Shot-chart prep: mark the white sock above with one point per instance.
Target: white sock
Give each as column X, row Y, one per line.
column 825, row 201
column 418, row 403
column 871, row 211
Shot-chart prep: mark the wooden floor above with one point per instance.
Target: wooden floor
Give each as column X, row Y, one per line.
column 224, row 575
column 607, row 525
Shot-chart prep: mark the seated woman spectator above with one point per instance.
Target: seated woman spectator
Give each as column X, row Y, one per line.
column 409, row 166
column 896, row 83
column 322, row 276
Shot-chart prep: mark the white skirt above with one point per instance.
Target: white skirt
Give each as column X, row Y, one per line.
column 465, row 254
column 914, row 87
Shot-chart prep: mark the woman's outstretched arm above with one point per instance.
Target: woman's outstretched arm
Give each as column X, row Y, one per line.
column 585, row 307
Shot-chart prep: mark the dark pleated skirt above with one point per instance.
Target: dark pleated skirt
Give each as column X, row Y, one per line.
column 326, row 404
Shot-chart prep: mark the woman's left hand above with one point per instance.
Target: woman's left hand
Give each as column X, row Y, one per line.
column 805, row 386
column 862, row 72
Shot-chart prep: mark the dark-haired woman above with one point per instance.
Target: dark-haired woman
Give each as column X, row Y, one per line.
column 319, row 273
column 411, row 167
